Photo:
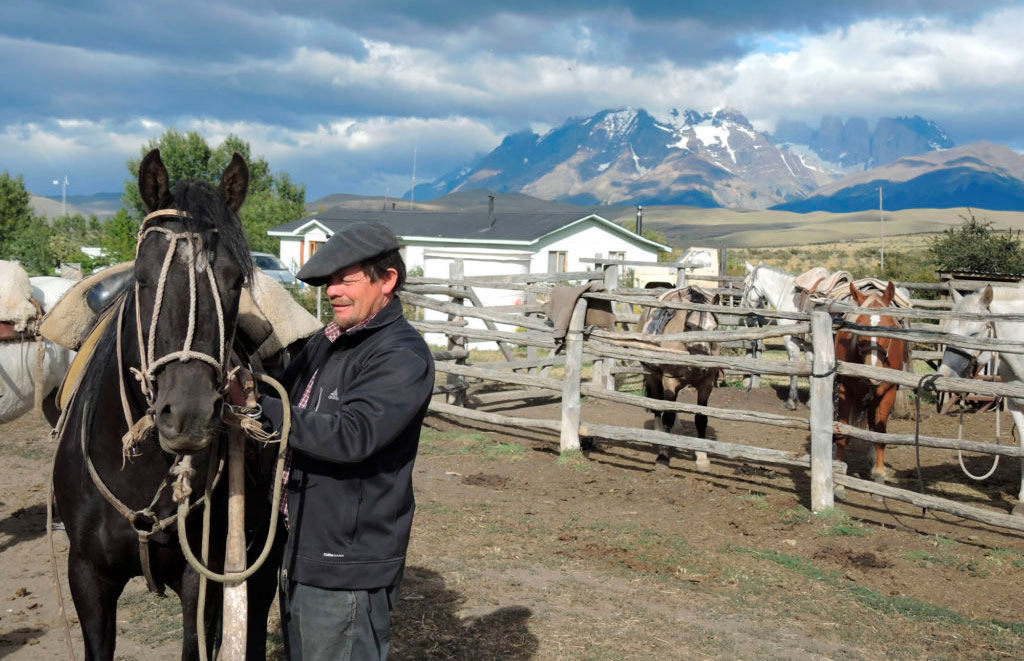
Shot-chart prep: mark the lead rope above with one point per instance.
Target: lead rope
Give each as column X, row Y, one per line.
column 201, row 566
column 993, row 366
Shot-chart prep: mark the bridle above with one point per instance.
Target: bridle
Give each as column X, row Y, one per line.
column 149, row 362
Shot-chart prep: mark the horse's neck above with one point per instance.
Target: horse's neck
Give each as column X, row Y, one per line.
column 778, row 288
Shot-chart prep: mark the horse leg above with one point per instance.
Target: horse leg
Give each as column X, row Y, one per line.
column 654, row 387
column 878, row 415
column 95, row 600
column 1016, row 408
column 700, row 421
column 793, row 350
column 844, row 413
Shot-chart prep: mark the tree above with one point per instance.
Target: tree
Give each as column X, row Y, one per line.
column 975, row 247
column 119, row 236
column 272, row 199
column 15, row 212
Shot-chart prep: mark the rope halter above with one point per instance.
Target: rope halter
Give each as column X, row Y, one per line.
column 192, row 243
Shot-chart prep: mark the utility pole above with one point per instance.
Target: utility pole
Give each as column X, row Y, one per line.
column 881, row 224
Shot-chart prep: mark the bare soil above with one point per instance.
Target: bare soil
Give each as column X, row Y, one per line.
column 518, row 553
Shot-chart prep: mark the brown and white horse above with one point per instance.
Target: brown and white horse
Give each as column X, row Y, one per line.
column 870, row 397
column 666, row 381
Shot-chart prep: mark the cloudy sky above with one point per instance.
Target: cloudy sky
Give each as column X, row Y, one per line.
column 339, row 94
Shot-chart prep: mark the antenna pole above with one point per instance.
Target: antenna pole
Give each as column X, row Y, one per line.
column 881, row 225
column 412, row 191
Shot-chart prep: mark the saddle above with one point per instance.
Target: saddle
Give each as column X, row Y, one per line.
column 660, row 317
column 17, row 332
column 817, row 283
column 19, row 310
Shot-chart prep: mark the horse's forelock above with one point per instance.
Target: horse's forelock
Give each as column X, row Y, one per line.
column 208, row 210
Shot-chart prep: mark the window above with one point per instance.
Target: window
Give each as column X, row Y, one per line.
column 558, row 261
column 617, row 254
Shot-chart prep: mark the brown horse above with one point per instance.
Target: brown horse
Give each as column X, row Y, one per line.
column 869, row 397
column 667, row 381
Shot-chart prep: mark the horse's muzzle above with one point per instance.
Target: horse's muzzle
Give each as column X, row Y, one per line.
column 955, row 362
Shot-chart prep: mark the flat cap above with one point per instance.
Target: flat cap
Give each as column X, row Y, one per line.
column 357, row 242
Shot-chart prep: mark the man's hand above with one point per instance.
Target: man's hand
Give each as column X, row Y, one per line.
column 241, row 389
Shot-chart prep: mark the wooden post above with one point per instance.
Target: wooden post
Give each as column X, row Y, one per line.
column 570, row 437
column 531, row 350
column 235, row 595
column 607, row 378
column 680, row 277
column 457, row 396
column 822, row 414
column 756, row 350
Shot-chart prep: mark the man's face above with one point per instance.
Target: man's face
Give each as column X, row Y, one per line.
column 355, row 298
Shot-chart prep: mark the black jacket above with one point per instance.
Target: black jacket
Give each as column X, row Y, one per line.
column 350, row 496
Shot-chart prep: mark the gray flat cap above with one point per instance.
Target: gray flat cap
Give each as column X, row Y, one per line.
column 357, row 242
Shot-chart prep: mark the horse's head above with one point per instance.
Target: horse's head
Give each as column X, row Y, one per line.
column 876, row 350
column 753, row 293
column 191, row 263
column 957, row 361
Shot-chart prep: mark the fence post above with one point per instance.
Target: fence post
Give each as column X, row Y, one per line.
column 822, row 414
column 457, row 385
column 531, row 351
column 570, row 437
column 680, row 277
column 604, row 376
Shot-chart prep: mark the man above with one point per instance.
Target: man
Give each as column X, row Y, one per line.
column 359, row 391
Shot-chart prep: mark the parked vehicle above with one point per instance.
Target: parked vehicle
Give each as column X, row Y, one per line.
column 275, row 268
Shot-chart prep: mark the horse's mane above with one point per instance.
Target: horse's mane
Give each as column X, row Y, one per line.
column 206, row 208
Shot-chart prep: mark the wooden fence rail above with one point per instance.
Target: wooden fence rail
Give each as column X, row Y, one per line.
column 615, row 352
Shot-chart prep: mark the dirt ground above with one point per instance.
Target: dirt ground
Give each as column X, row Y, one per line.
column 520, row 554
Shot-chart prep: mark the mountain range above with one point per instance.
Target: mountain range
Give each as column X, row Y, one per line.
column 718, row 159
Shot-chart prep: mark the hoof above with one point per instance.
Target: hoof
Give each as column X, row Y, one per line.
column 877, row 479
column 703, row 463
column 839, row 492
column 1018, row 509
column 791, row 405
column 661, row 463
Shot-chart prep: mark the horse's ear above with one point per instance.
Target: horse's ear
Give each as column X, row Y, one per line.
column 153, row 181
column 890, row 292
column 748, row 266
column 956, row 296
column 986, row 295
column 857, row 294
column 234, row 184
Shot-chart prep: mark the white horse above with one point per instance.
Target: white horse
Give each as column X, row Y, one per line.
column 957, row 362
column 766, row 286
column 19, row 366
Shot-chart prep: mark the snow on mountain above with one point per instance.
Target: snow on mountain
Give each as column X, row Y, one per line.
column 628, row 155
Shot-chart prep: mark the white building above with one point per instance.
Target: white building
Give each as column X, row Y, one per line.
column 493, row 243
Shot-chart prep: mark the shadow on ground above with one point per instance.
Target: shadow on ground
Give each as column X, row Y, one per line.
column 23, row 524
column 425, row 625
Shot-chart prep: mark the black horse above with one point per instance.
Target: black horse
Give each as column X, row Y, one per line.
column 161, row 367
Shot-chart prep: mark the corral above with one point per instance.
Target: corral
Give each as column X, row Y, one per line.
column 519, row 553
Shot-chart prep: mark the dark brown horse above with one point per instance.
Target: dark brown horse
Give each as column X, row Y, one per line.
column 667, row 381
column 869, row 397
column 151, row 393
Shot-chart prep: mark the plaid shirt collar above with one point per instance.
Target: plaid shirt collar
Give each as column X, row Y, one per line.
column 333, row 330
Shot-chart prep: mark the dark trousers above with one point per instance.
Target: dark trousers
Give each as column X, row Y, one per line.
column 336, row 625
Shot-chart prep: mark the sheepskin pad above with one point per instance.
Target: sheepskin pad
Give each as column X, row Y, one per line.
column 268, row 316
column 16, row 306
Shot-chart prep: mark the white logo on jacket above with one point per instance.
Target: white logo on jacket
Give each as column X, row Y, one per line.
column 333, row 395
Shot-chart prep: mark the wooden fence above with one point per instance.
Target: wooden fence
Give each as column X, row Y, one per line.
column 612, row 353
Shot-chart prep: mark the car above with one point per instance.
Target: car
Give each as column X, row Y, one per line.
column 275, row 268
